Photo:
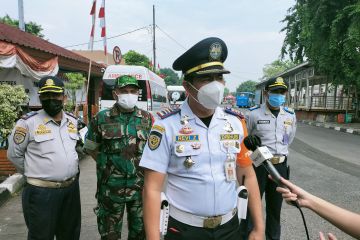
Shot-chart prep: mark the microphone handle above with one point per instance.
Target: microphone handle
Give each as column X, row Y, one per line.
column 276, row 177
column 273, row 172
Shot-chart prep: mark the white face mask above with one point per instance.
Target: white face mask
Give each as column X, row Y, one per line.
column 211, row 94
column 127, row 101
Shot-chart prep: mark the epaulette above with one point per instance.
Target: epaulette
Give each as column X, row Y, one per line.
column 71, row 115
column 234, row 112
column 167, row 112
column 289, row 110
column 254, row 108
column 28, row 115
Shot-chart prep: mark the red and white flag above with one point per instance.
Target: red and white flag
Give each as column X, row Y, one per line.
column 93, row 14
column 102, row 24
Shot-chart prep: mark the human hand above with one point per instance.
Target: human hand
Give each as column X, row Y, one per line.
column 330, row 236
column 256, row 235
column 292, row 193
column 252, row 142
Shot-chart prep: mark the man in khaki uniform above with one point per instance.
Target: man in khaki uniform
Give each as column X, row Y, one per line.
column 42, row 147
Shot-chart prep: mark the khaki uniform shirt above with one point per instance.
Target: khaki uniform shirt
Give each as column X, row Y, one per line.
column 40, row 148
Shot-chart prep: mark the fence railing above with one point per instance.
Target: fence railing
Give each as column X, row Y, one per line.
column 325, row 102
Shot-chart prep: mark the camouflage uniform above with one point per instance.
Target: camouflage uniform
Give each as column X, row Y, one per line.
column 121, row 138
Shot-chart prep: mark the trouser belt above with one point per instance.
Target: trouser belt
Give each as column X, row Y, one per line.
column 199, row 221
column 278, row 159
column 50, row 184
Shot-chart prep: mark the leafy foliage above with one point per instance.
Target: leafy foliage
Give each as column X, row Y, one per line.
column 30, row 27
column 134, row 58
column 171, row 78
column 75, row 82
column 327, row 33
column 11, row 97
column 247, row 86
column 276, row 67
column 226, row 91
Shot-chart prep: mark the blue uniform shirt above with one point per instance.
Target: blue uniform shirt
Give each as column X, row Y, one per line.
column 276, row 133
column 201, row 189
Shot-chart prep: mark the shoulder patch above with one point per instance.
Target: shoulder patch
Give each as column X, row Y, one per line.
column 154, row 140
column 28, row 115
column 254, row 108
column 289, row 110
column 71, row 115
column 235, row 112
column 168, row 112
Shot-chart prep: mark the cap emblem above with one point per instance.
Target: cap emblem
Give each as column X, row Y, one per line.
column 215, row 51
column 279, row 80
column 49, row 82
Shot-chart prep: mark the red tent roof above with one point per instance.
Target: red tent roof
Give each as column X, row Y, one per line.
column 14, row 35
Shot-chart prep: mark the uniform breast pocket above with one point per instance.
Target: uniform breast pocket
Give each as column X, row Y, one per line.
column 185, row 158
column 74, row 137
column 45, row 143
column 263, row 127
column 111, row 130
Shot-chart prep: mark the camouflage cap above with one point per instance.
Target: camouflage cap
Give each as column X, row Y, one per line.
column 125, row 80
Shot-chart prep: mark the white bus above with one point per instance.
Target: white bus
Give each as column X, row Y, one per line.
column 177, row 95
column 152, row 93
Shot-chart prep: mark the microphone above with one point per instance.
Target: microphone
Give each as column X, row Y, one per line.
column 261, row 156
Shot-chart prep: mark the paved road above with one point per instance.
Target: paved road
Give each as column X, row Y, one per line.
column 322, row 161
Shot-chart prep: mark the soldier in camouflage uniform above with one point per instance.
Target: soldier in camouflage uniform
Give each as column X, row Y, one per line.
column 116, row 140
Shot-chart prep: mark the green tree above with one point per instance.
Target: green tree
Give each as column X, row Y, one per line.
column 11, row 98
column 276, row 67
column 247, row 86
column 30, row 27
column 171, row 78
column 134, row 58
column 327, row 34
column 75, row 82
column 226, row 91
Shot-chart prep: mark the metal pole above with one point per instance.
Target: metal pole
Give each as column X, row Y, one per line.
column 21, row 15
column 154, row 46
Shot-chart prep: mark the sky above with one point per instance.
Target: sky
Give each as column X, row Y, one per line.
column 250, row 28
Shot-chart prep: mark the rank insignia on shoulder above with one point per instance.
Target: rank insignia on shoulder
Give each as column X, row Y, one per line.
column 154, row 140
column 289, row 110
column 158, row 128
column 235, row 112
column 167, row 112
column 71, row 115
column 28, row 115
column 254, row 107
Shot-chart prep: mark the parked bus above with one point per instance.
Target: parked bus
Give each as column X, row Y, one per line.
column 152, row 92
column 177, row 95
column 245, row 99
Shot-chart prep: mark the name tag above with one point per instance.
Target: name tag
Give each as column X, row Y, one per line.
column 263, row 121
column 187, row 138
column 229, row 137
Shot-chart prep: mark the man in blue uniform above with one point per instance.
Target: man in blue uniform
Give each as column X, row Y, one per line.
column 42, row 147
column 275, row 125
column 200, row 148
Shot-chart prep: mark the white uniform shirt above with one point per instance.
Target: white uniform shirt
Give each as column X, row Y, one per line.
column 42, row 149
column 201, row 189
column 276, row 133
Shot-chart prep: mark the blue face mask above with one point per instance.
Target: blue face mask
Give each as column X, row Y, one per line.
column 276, row 100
